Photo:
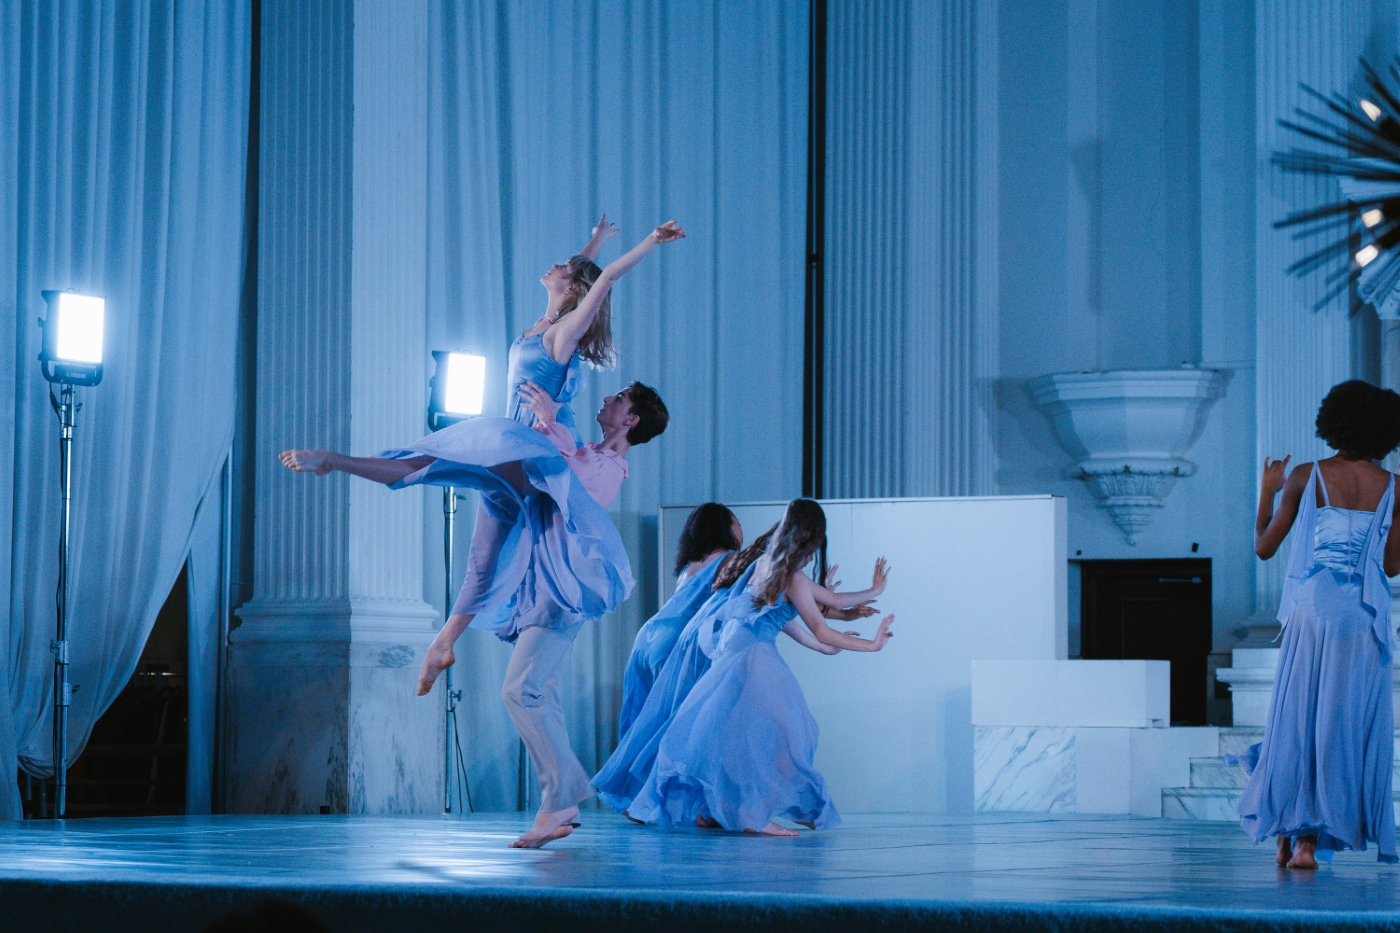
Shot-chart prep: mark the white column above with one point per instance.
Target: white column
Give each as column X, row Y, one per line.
column 1300, row 352
column 911, row 246
column 324, row 664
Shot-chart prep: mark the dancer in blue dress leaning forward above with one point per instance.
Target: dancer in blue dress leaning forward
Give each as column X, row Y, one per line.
column 654, row 702
column 544, row 556
column 1321, row 779
column 739, row 750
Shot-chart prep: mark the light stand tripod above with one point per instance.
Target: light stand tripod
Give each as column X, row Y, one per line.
column 67, row 410
column 452, row 741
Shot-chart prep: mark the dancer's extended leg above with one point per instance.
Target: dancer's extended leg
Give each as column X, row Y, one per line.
column 380, row 470
column 532, row 696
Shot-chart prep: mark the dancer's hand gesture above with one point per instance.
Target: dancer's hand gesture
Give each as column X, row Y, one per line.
column 1275, row 475
column 880, row 576
column 604, row 230
column 539, row 401
column 831, row 582
column 884, row 634
column 862, row 611
column 668, row 231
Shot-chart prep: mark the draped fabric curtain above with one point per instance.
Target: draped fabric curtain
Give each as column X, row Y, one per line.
column 544, row 115
column 122, row 162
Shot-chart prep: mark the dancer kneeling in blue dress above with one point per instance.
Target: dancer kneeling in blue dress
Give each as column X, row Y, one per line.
column 1321, row 779
column 684, row 663
column 739, row 749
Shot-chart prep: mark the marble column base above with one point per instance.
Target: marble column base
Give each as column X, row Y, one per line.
column 321, row 711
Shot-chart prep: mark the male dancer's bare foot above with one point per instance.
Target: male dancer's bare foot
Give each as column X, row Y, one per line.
column 306, row 461
column 1303, row 853
column 1285, row 851
column 549, row 826
column 438, row 659
column 707, row 822
column 773, row 829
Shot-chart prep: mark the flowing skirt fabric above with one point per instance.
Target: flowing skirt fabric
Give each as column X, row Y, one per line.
column 740, row 747
column 547, row 554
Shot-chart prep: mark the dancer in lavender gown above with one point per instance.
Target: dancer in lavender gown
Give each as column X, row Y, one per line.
column 1321, row 779
column 544, row 556
column 739, row 750
column 631, row 763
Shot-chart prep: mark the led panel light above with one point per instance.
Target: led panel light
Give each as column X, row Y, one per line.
column 466, row 384
column 71, row 352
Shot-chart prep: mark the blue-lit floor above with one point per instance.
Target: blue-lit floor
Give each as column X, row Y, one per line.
column 1122, row 865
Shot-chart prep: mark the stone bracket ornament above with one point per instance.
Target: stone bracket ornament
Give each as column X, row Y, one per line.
column 1129, row 431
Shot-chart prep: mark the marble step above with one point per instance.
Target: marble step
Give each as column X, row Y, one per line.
column 1214, row 772
column 1211, row 804
column 1235, row 741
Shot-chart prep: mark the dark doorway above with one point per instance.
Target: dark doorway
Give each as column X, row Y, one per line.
column 134, row 764
column 1151, row 610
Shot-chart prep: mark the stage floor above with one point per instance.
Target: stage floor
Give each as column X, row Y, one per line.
column 995, row 872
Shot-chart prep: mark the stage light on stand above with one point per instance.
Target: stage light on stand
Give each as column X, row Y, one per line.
column 458, row 391
column 458, row 388
column 70, row 354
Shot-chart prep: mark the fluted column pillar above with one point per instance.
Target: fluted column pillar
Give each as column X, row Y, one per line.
column 911, row 302
column 324, row 664
column 1300, row 353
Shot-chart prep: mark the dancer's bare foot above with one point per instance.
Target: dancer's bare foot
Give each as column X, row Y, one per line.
column 306, row 461
column 707, row 822
column 773, row 829
column 1303, row 851
column 1285, row 851
column 438, row 659
column 549, row 826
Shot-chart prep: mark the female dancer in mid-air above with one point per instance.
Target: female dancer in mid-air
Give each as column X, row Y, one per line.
column 674, row 672
column 739, row 749
column 1321, row 779
column 544, row 556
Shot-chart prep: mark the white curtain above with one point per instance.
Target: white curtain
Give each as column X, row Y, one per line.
column 122, row 158
column 544, row 115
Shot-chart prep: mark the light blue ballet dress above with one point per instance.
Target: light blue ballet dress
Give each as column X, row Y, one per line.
column 740, row 748
column 547, row 554
column 1324, row 766
column 630, row 764
column 658, row 637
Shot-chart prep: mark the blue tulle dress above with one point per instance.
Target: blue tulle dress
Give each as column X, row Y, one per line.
column 658, row 637
column 630, row 764
column 545, row 555
column 1324, row 766
column 740, row 748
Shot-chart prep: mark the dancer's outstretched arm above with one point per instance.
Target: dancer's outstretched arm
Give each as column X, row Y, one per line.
column 563, row 336
column 603, row 231
column 799, row 592
column 825, row 597
column 321, row 462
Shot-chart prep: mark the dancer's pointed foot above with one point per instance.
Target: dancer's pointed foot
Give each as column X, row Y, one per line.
column 549, row 826
column 1303, row 849
column 773, row 829
column 438, row 659
column 306, row 461
column 707, row 822
column 1285, row 851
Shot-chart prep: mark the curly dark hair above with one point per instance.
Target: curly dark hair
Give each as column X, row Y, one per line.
column 1360, row 420
column 709, row 528
column 652, row 416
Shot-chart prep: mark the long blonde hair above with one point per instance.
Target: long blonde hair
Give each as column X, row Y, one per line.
column 799, row 536
column 596, row 345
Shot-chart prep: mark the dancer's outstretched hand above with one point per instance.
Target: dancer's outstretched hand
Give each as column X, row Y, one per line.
column 884, row 634
column 539, row 401
column 604, row 229
column 668, row 231
column 306, row 461
column 831, row 582
column 880, row 576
